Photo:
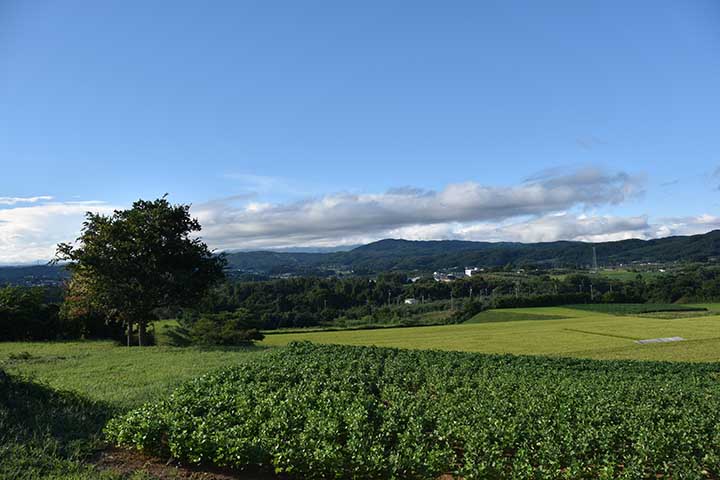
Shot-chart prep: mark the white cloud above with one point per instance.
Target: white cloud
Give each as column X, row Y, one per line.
column 16, row 200
column 343, row 218
column 692, row 225
column 564, row 226
column 550, row 206
column 30, row 233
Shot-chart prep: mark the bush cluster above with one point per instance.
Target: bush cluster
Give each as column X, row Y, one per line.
column 34, row 313
column 225, row 329
column 360, row 412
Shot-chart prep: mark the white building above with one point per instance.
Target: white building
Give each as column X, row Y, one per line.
column 411, row 301
column 470, row 271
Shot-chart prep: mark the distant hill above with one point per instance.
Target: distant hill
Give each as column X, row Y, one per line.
column 387, row 255
column 432, row 255
column 31, row 275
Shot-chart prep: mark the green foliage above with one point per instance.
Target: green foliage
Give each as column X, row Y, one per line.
column 26, row 314
column 349, row 412
column 35, row 313
column 135, row 261
column 469, row 310
column 356, row 302
column 236, row 328
column 548, row 300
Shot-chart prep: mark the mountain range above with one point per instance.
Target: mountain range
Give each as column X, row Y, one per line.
column 432, row 255
column 392, row 254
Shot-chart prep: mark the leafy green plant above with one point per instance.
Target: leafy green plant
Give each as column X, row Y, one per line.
column 360, row 412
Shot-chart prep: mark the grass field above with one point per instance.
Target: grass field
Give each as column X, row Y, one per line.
column 119, row 376
column 571, row 333
column 512, row 315
column 636, row 308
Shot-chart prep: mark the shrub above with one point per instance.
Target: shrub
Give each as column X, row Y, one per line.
column 230, row 329
column 549, row 300
column 468, row 311
column 26, row 315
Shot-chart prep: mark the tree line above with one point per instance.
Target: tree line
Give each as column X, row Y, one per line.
column 39, row 313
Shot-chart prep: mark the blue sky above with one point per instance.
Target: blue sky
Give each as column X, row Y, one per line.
column 324, row 123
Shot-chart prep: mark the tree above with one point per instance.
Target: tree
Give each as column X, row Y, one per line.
column 135, row 261
column 81, row 311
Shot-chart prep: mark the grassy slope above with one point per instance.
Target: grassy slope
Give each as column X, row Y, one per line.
column 634, row 308
column 513, row 315
column 582, row 334
column 122, row 377
column 50, row 424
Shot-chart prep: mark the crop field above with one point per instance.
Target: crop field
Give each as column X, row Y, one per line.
column 359, row 412
column 546, row 331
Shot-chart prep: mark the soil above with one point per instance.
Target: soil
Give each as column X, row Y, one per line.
column 127, row 462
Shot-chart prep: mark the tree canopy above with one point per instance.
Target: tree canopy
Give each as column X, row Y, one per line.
column 129, row 264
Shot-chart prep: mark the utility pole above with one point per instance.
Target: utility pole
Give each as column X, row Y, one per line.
column 595, row 266
column 592, row 293
column 452, row 301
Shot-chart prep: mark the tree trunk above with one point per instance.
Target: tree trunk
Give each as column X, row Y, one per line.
column 129, row 333
column 141, row 333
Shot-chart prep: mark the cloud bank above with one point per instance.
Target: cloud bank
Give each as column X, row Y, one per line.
column 30, row 233
column 344, row 218
column 552, row 205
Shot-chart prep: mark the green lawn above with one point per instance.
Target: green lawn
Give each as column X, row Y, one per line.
column 579, row 333
column 120, row 376
column 512, row 315
column 636, row 308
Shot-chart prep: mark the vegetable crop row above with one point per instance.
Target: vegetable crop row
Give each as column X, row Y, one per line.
column 362, row 412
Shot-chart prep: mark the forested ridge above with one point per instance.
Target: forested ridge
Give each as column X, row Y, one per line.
column 408, row 255
column 390, row 254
